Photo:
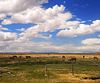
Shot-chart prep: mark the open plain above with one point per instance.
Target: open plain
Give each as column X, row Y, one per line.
column 33, row 69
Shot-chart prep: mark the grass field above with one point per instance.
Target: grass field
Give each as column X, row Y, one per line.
column 32, row 70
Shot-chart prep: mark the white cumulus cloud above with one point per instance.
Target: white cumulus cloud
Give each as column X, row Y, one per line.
column 3, row 28
column 7, row 36
column 98, row 35
column 7, row 6
column 44, row 21
column 36, row 15
column 81, row 29
column 2, row 16
column 91, row 41
column 22, row 29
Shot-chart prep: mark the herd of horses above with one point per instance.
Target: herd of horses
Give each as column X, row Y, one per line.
column 70, row 59
column 13, row 57
column 63, row 58
column 74, row 58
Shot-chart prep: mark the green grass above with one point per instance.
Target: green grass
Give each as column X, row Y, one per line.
column 32, row 70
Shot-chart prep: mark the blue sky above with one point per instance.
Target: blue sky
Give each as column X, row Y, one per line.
column 41, row 26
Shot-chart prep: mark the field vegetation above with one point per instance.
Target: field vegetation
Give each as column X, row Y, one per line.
column 32, row 70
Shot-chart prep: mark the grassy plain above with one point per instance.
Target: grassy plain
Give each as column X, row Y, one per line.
column 32, row 70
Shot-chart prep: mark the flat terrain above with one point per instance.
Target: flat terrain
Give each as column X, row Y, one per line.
column 32, row 70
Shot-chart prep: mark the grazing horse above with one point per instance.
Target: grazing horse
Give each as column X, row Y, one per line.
column 15, row 56
column 37, row 57
column 28, row 57
column 63, row 58
column 83, row 57
column 95, row 58
column 20, row 56
column 11, row 58
column 72, row 59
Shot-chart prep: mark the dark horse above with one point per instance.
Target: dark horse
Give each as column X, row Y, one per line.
column 63, row 58
column 15, row 56
column 72, row 59
column 95, row 58
column 28, row 57
column 11, row 58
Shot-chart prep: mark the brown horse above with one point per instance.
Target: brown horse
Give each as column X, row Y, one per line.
column 11, row 58
column 28, row 57
column 72, row 59
column 63, row 58
column 15, row 56
column 95, row 58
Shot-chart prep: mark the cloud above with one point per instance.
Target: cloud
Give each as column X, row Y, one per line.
column 22, row 29
column 2, row 16
column 98, row 35
column 2, row 28
column 30, row 46
column 64, row 2
column 89, row 20
column 78, row 19
column 95, row 25
column 7, row 36
column 90, row 45
column 45, row 19
column 32, row 32
column 7, row 6
column 88, row 48
column 35, row 15
column 51, row 19
column 81, row 29
column 45, row 37
column 43, row 47
column 91, row 41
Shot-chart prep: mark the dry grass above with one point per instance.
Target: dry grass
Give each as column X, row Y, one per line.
column 78, row 56
column 79, row 79
column 51, row 55
column 61, row 77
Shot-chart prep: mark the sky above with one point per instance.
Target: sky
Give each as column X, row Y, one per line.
column 50, row 26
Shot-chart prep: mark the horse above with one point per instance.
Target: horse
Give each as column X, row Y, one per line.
column 95, row 58
column 63, row 58
column 20, row 56
column 11, row 58
column 72, row 59
column 83, row 57
column 28, row 56
column 15, row 56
